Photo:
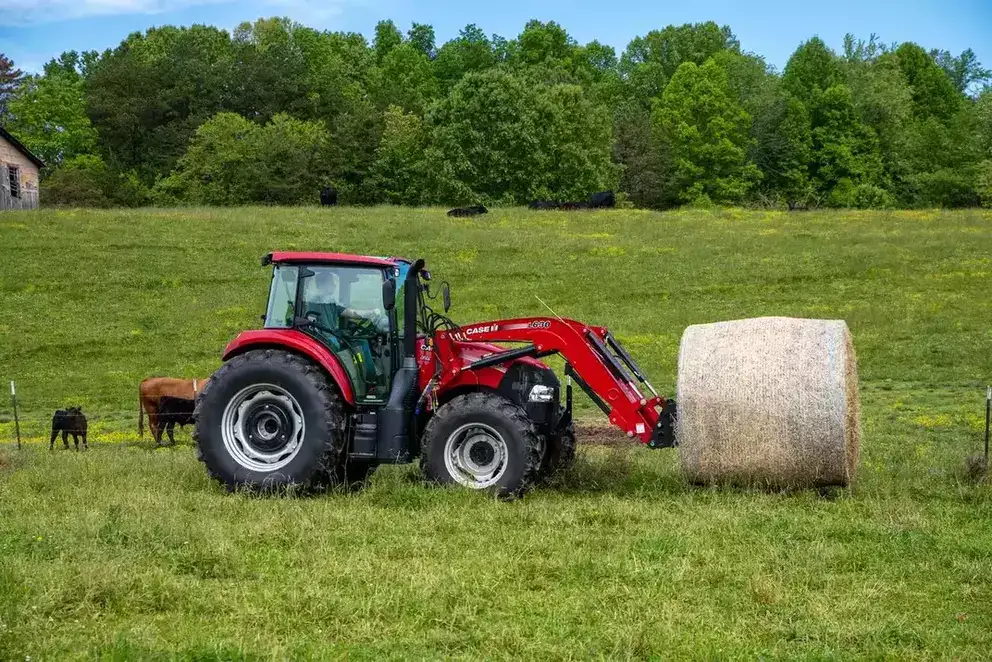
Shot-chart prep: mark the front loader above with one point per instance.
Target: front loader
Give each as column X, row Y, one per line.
column 353, row 368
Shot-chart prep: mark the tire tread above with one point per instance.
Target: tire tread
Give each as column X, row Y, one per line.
column 513, row 414
column 333, row 452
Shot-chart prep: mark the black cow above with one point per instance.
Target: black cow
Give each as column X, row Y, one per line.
column 474, row 210
column 328, row 196
column 602, row 200
column 543, row 205
column 173, row 412
column 571, row 206
column 68, row 421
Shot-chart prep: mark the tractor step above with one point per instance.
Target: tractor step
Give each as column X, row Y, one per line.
column 364, row 440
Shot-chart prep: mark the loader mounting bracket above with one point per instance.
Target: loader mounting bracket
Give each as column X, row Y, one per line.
column 664, row 431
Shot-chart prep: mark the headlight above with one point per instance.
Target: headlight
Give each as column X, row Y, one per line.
column 541, row 393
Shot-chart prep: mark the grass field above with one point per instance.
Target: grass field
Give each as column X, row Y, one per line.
column 128, row 552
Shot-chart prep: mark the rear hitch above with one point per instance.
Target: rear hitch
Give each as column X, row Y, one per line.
column 664, row 432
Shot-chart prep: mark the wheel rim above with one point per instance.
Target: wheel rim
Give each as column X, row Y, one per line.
column 475, row 455
column 263, row 427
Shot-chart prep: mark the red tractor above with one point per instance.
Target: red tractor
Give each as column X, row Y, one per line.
column 354, row 369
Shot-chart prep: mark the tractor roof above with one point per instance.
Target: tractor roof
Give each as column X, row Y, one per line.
column 283, row 257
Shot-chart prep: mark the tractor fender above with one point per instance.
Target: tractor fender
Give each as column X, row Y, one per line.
column 296, row 342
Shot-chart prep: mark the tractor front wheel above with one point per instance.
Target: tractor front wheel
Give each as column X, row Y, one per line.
column 268, row 420
column 560, row 454
column 484, row 442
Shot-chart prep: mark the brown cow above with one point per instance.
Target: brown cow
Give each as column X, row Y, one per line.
column 152, row 390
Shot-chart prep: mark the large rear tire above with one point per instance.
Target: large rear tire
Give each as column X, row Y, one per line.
column 269, row 420
column 484, row 442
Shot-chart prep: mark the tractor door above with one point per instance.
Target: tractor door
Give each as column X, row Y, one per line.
column 345, row 307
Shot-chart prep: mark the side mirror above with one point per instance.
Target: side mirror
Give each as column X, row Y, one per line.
column 388, row 294
column 446, row 295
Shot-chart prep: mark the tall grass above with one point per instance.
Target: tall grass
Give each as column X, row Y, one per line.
column 128, row 552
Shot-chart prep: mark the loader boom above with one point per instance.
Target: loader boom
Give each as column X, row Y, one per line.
column 598, row 363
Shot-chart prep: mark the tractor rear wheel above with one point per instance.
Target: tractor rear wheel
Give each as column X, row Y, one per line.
column 560, row 454
column 268, row 420
column 484, row 442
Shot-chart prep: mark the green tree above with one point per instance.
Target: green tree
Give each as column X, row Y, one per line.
column 941, row 161
column 86, row 181
column 421, row 37
column 783, row 148
column 48, row 113
column 983, row 120
column 934, row 93
column 751, row 80
column 542, row 44
column 546, row 54
column 577, row 141
column 497, row 137
column 705, row 131
column 146, row 97
column 811, row 70
column 404, row 78
column 355, row 135
column 387, row 37
column 396, row 175
column 643, row 71
column 845, row 151
column 232, row 161
column 965, row 71
column 883, row 101
column 597, row 70
column 269, row 73
column 288, row 164
column 213, row 171
column 470, row 51
column 486, row 140
column 640, row 161
column 649, row 62
column 329, row 78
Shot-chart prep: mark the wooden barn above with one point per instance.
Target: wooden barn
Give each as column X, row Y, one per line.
column 19, row 170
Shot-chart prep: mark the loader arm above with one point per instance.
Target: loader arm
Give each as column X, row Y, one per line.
column 597, row 362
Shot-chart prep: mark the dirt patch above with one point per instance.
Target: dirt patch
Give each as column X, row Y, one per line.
column 601, row 433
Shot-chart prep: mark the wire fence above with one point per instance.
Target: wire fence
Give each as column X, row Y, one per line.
column 23, row 422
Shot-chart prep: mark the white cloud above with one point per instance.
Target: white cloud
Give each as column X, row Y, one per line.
column 29, row 12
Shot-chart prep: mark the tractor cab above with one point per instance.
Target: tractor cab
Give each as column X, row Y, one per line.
column 348, row 305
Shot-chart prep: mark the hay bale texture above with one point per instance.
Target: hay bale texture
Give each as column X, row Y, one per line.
column 769, row 401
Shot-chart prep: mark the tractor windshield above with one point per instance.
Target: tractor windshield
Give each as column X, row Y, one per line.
column 282, row 297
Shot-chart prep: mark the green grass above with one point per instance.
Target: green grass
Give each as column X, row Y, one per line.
column 126, row 552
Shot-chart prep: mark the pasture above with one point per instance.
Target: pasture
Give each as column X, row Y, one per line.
column 126, row 551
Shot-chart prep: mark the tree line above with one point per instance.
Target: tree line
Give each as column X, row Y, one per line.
column 275, row 110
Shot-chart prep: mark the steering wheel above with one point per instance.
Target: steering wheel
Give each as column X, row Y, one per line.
column 365, row 325
column 313, row 317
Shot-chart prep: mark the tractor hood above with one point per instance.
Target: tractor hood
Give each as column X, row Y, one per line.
column 473, row 351
column 512, row 378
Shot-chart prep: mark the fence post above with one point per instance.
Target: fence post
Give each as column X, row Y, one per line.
column 988, row 416
column 17, row 422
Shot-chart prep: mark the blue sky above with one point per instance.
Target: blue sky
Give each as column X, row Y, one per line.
column 33, row 31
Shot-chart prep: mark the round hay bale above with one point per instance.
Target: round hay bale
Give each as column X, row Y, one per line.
column 770, row 401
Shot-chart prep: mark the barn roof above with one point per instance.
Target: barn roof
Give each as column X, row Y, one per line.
column 20, row 147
